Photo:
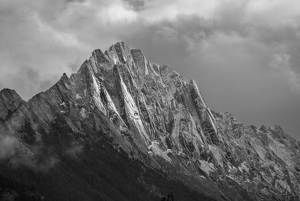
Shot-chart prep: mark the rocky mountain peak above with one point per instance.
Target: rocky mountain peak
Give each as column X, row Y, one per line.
column 156, row 116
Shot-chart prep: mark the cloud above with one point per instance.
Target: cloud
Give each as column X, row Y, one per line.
column 273, row 13
column 63, row 38
column 74, row 151
column 229, row 55
column 156, row 10
column 16, row 153
column 229, row 47
column 8, row 146
column 281, row 63
column 48, row 35
column 42, row 166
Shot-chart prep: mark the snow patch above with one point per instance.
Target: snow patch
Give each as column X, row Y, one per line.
column 232, row 169
column 202, row 177
column 155, row 149
column 78, row 96
column 207, row 167
column 63, row 104
column 83, row 113
column 136, row 115
column 243, row 167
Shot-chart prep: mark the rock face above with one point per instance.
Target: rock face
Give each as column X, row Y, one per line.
column 9, row 102
column 161, row 119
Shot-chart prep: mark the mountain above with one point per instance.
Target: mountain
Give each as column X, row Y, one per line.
column 123, row 128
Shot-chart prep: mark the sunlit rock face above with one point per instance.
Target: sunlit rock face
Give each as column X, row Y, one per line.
column 160, row 118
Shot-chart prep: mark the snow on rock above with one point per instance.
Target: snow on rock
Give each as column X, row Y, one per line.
column 243, row 167
column 207, row 167
column 156, row 150
column 78, row 96
column 63, row 104
column 83, row 113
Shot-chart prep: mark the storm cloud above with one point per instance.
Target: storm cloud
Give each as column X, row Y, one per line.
column 244, row 54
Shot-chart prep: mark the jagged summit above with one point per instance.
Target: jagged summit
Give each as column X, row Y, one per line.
column 156, row 116
column 118, row 54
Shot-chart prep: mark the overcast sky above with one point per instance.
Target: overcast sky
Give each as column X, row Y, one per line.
column 244, row 54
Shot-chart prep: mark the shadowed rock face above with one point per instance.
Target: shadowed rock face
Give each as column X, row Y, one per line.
column 9, row 102
column 155, row 113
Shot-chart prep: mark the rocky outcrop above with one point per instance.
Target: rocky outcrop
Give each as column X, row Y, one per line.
column 263, row 160
column 155, row 115
column 9, row 103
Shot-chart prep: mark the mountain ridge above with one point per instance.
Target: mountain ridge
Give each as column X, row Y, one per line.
column 156, row 116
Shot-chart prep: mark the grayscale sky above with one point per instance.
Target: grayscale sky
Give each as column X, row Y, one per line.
column 244, row 54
